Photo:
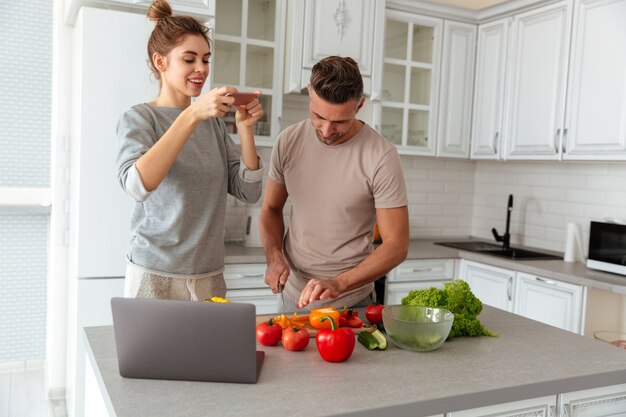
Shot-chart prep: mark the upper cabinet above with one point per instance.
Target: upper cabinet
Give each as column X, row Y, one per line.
column 406, row 114
column 537, row 82
column 201, row 9
column 248, row 54
column 319, row 29
column 455, row 94
column 489, row 89
column 595, row 122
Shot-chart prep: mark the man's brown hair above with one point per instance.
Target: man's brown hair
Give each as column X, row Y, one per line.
column 337, row 80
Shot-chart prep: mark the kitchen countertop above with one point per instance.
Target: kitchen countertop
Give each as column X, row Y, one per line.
column 572, row 272
column 528, row 360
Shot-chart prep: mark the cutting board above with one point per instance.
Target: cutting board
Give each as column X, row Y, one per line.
column 313, row 331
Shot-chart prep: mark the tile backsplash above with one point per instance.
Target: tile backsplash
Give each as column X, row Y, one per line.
column 457, row 198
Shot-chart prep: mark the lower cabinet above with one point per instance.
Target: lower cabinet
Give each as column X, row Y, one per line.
column 556, row 303
column 534, row 407
column 244, row 283
column 416, row 274
column 549, row 301
column 492, row 285
column 597, row 402
column 607, row 401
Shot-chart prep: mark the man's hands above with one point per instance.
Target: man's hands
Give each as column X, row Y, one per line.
column 277, row 270
column 319, row 289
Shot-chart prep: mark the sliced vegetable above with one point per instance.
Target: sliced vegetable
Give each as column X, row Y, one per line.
column 217, row 300
column 350, row 318
column 315, row 317
column 268, row 333
column 295, row 338
column 374, row 340
column 336, row 344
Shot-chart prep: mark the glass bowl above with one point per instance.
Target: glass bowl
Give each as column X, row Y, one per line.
column 417, row 328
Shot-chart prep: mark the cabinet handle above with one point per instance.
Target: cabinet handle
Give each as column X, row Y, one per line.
column 564, row 141
column 547, row 281
column 495, row 143
column 509, row 288
column 422, row 269
column 556, row 140
column 249, row 275
column 552, row 411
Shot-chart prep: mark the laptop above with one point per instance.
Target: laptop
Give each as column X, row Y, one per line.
column 186, row 340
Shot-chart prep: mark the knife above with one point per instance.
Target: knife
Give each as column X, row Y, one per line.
column 282, row 296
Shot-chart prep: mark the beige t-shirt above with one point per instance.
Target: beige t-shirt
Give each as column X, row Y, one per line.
column 334, row 192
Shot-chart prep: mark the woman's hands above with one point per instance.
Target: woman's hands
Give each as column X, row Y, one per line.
column 216, row 103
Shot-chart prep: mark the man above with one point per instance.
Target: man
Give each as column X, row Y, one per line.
column 342, row 178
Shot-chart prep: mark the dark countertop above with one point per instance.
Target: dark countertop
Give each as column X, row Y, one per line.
column 527, row 360
column 571, row 272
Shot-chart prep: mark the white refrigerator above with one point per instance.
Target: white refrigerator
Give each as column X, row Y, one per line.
column 110, row 74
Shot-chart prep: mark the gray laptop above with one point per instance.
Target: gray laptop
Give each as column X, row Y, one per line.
column 186, row 340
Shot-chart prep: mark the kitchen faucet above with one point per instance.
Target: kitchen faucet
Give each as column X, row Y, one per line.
column 506, row 238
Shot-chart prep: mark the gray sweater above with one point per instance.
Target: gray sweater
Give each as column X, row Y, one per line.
column 178, row 229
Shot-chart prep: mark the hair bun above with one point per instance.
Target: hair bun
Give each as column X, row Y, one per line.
column 159, row 9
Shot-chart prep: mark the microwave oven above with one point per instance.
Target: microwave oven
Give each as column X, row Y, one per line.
column 607, row 247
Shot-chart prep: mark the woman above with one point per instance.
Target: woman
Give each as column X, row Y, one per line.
column 176, row 160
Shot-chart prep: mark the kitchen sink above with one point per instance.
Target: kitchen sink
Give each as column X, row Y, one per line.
column 497, row 250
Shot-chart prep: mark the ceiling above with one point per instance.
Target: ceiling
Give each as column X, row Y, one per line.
column 469, row 4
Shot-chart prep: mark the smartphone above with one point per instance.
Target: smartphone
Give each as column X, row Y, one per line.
column 242, row 98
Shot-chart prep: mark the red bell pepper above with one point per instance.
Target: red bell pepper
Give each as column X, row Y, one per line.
column 350, row 318
column 335, row 345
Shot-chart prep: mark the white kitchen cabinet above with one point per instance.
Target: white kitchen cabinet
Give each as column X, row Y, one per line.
column 244, row 283
column 535, row 407
column 537, row 82
column 407, row 112
column 597, row 402
column 595, row 126
column 494, row 286
column 248, row 43
column 321, row 28
column 455, row 95
column 549, row 301
column 201, row 9
column 487, row 127
column 417, row 274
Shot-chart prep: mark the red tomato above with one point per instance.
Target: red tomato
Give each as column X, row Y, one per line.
column 268, row 333
column 295, row 338
column 374, row 313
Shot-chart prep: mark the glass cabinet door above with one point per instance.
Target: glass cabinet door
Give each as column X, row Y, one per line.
column 410, row 81
column 247, row 50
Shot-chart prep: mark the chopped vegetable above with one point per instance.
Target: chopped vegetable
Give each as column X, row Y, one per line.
column 336, row 344
column 315, row 317
column 374, row 340
column 216, row 300
column 350, row 318
column 457, row 297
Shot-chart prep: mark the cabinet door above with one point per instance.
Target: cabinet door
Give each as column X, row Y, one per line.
column 549, row 301
column 455, row 96
column 489, row 89
column 396, row 291
column 340, row 27
column 597, row 402
column 536, row 94
column 596, row 110
column 249, row 38
column 492, row 285
column 202, row 9
column 239, row 276
column 534, row 407
column 422, row 270
column 411, row 69
column 265, row 301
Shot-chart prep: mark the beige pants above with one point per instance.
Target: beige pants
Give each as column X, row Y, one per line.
column 144, row 284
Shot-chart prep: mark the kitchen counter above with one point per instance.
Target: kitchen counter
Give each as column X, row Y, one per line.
column 528, row 360
column 572, row 272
